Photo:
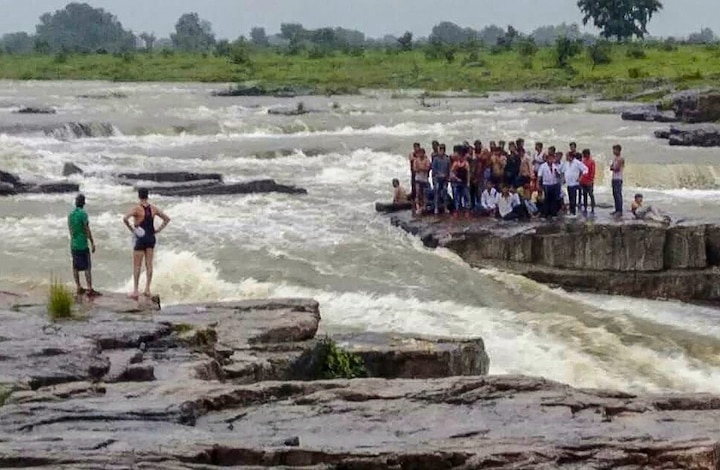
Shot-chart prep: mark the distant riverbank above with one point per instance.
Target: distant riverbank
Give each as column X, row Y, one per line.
column 631, row 71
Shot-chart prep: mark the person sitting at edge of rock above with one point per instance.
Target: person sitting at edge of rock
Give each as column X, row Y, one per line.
column 80, row 235
column 400, row 196
column 587, row 182
column 643, row 212
column 488, row 200
column 617, row 166
column 509, row 206
column 143, row 230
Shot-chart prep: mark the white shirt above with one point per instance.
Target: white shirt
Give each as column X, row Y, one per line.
column 538, row 160
column 506, row 205
column 573, row 170
column 549, row 174
column 488, row 199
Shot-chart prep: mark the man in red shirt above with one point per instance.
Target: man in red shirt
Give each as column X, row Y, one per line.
column 587, row 182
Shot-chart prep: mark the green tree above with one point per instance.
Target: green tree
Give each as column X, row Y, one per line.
column 406, row 41
column 17, row 43
column 566, row 49
column 620, row 19
column 193, row 34
column 81, row 28
column 149, row 40
column 259, row 37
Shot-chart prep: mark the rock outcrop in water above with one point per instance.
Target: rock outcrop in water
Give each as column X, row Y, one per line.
column 206, row 386
column 183, row 183
column 79, row 130
column 633, row 258
column 11, row 185
column 35, row 110
column 648, row 114
column 697, row 106
column 702, row 135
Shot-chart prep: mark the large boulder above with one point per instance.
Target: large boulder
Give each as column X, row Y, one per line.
column 170, row 176
column 694, row 106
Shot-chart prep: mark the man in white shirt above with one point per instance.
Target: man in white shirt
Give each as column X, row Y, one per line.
column 488, row 199
column 549, row 178
column 509, row 206
column 538, row 157
column 573, row 169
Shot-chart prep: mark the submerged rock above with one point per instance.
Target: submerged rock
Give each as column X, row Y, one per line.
column 664, row 261
column 250, row 187
column 171, row 176
column 78, row 130
column 35, row 110
column 70, row 169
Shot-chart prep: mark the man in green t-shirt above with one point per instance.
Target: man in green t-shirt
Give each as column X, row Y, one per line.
column 80, row 234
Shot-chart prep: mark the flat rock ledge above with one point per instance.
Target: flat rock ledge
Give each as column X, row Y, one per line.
column 626, row 257
column 126, row 378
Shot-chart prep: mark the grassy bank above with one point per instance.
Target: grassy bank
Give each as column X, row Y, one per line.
column 629, row 71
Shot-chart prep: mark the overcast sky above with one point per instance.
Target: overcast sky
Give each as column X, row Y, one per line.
column 231, row 18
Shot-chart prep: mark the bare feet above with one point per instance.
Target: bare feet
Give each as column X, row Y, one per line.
column 134, row 296
column 147, row 294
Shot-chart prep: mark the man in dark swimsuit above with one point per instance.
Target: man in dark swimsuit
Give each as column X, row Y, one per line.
column 143, row 230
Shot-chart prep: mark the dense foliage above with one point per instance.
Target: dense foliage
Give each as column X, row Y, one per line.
column 620, row 19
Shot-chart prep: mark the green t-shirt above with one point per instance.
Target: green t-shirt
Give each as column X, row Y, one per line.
column 77, row 221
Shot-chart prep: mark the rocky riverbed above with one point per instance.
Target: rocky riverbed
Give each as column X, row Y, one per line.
column 622, row 257
column 127, row 385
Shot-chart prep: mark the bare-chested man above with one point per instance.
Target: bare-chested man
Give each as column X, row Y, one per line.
column 143, row 230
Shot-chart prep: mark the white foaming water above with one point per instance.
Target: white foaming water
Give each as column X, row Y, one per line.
column 182, row 277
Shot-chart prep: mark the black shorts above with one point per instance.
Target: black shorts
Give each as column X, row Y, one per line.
column 81, row 260
column 144, row 243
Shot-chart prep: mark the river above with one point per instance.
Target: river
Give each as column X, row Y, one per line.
column 330, row 245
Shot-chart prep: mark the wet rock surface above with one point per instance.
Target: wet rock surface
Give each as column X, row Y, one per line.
column 125, row 383
column 649, row 114
column 696, row 106
column 11, row 185
column 389, row 207
column 701, row 135
column 79, row 130
column 627, row 257
column 35, row 110
column 250, row 187
column 461, row 422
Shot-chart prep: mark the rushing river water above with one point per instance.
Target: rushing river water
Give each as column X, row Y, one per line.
column 330, row 244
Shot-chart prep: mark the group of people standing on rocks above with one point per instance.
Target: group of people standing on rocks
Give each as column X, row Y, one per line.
column 507, row 181
column 140, row 221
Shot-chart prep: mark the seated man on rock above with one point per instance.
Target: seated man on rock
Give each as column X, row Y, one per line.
column 488, row 200
column 643, row 212
column 400, row 195
column 509, row 206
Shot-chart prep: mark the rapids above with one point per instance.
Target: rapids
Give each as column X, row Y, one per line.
column 330, row 245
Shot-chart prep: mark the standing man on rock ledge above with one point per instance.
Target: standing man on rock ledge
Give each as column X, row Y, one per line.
column 80, row 234
column 617, row 167
column 143, row 230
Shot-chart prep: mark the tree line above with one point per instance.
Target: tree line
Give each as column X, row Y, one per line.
column 80, row 28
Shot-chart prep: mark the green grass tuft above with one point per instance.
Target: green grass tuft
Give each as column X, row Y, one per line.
column 60, row 301
column 336, row 363
column 5, row 392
